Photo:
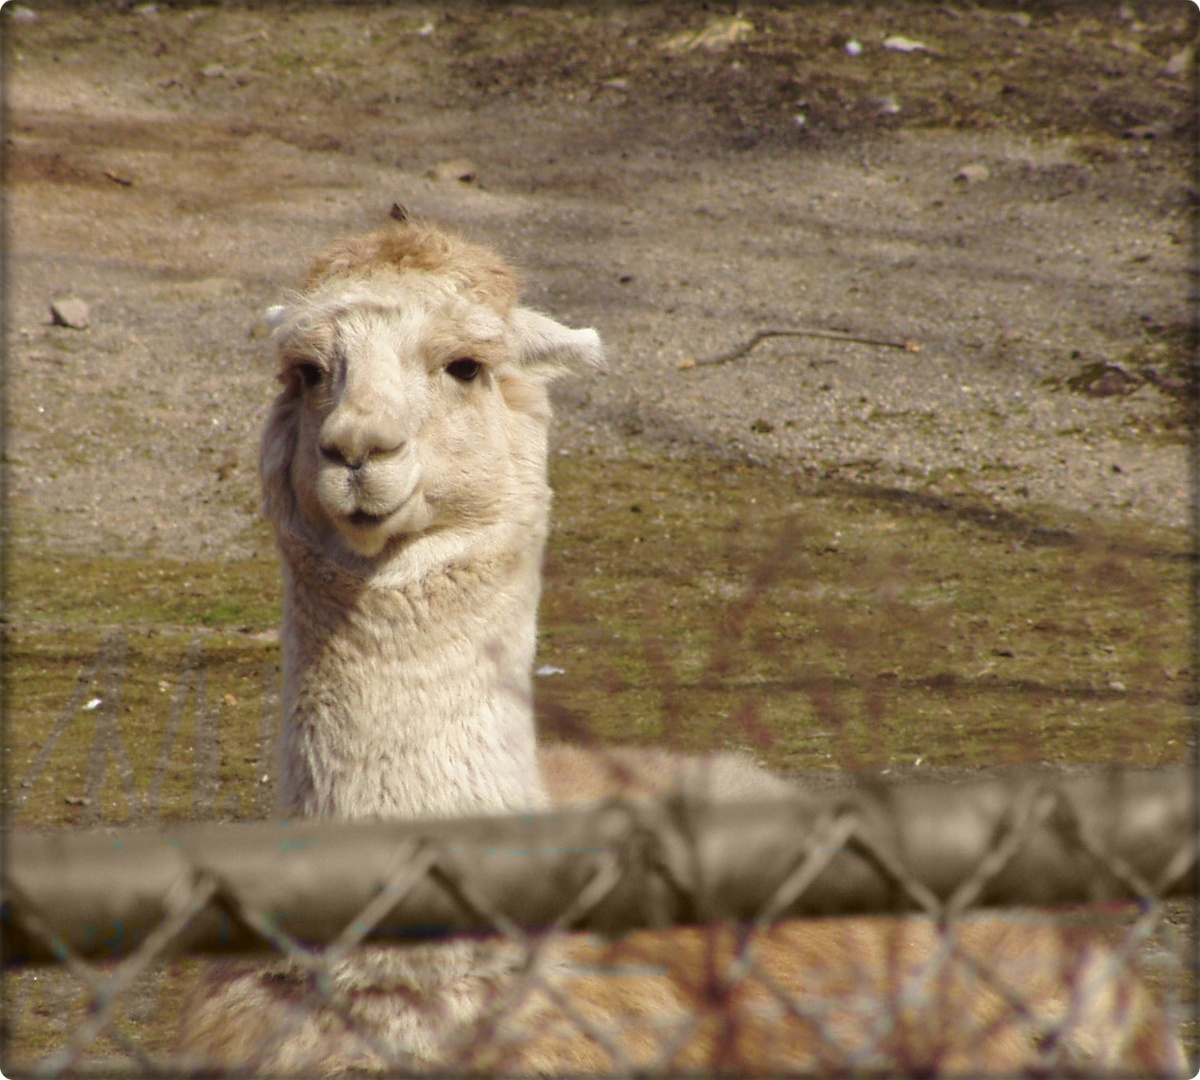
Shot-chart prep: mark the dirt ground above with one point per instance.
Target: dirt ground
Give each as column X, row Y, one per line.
column 1009, row 188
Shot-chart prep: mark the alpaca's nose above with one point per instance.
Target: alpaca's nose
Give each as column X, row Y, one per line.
column 351, row 440
column 336, row 457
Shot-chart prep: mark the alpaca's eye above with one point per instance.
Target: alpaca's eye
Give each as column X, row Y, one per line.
column 464, row 370
column 310, row 374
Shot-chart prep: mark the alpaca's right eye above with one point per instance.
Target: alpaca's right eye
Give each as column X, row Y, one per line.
column 310, row 374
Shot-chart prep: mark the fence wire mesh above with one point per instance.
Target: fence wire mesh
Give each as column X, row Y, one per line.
column 652, row 937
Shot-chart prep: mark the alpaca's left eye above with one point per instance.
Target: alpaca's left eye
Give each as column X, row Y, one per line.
column 464, row 370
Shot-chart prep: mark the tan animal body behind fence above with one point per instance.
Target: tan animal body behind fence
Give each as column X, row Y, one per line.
column 404, row 473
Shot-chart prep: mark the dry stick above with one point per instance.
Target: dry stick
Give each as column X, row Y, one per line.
column 832, row 335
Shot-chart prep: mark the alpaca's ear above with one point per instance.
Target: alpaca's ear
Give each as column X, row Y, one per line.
column 547, row 345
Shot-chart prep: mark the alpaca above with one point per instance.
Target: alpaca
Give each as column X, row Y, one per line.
column 404, row 473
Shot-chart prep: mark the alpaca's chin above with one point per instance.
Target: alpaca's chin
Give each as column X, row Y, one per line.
column 367, row 534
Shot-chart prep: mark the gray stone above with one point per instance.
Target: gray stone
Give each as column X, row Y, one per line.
column 70, row 311
column 973, row 174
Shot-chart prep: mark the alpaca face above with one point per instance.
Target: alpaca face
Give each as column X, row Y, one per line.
column 416, row 409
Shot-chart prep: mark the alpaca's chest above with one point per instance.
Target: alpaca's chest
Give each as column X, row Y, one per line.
column 448, row 736
column 412, row 701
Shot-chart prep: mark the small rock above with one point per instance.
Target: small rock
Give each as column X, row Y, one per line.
column 214, row 71
column 721, row 32
column 888, row 105
column 1112, row 382
column 1021, row 18
column 1104, row 380
column 616, row 84
column 23, row 14
column 77, row 800
column 1182, row 62
column 902, row 44
column 70, row 311
column 854, row 47
column 973, row 174
column 92, row 705
column 547, row 669
column 460, row 169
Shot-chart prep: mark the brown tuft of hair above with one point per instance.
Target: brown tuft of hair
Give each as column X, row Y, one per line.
column 418, row 247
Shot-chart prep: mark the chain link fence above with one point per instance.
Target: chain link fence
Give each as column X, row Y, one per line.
column 564, row 902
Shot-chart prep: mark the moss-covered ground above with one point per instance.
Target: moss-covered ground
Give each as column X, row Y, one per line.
column 707, row 604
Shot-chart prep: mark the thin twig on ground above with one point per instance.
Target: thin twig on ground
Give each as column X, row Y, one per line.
column 831, row 335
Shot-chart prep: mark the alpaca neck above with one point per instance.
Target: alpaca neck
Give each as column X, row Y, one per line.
column 407, row 690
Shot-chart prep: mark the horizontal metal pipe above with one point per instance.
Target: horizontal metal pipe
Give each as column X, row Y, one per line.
column 885, row 849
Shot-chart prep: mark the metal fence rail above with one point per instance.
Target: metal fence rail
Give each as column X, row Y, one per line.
column 315, row 890
column 936, row 849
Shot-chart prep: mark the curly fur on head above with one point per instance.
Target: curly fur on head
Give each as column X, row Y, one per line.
column 413, row 246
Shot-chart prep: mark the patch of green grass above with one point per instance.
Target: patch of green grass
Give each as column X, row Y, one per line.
column 177, row 700
column 91, row 590
column 710, row 604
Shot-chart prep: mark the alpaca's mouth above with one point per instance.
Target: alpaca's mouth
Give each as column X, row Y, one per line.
column 361, row 519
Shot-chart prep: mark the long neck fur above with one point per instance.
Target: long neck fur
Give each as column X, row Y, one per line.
column 407, row 687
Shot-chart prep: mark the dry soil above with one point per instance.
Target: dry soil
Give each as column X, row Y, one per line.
column 1008, row 189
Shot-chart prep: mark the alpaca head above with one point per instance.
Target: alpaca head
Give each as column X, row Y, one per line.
column 414, row 398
